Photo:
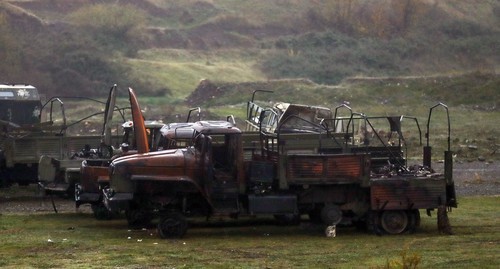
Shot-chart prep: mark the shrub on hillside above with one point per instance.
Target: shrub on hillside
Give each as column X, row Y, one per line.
column 329, row 57
column 112, row 19
column 115, row 26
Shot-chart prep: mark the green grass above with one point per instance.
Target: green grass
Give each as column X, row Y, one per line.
column 78, row 241
column 181, row 70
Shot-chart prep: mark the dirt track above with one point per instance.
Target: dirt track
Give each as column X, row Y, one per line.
column 471, row 179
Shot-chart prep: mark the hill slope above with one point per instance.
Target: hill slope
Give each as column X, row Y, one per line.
column 86, row 45
column 381, row 56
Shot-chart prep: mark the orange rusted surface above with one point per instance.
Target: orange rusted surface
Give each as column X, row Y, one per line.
column 330, row 168
column 407, row 193
column 91, row 174
column 139, row 126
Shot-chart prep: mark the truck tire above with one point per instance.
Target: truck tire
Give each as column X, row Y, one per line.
column 172, row 225
column 101, row 212
column 394, row 221
column 4, row 178
column 331, row 214
column 138, row 219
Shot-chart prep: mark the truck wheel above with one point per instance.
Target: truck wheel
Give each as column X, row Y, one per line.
column 331, row 214
column 4, row 179
column 172, row 225
column 138, row 219
column 101, row 212
column 414, row 217
column 394, row 221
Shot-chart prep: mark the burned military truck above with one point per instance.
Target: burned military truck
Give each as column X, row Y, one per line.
column 93, row 172
column 44, row 143
column 226, row 172
column 94, row 176
column 99, row 135
column 20, row 106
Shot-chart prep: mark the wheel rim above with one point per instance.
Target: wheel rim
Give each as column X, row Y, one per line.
column 331, row 214
column 172, row 226
column 394, row 221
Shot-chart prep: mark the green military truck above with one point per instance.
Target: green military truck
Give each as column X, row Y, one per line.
column 20, row 106
column 45, row 142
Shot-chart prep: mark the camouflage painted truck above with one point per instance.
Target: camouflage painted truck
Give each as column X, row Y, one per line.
column 287, row 173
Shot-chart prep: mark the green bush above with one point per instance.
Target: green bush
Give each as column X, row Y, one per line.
column 110, row 19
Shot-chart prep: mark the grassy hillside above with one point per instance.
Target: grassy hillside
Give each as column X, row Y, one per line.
column 98, row 43
column 382, row 57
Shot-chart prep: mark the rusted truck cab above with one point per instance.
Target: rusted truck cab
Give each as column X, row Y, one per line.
column 185, row 179
column 94, row 175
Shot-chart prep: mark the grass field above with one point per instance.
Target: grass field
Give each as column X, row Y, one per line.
column 77, row 240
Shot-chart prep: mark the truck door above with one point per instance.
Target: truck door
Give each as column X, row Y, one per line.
column 227, row 161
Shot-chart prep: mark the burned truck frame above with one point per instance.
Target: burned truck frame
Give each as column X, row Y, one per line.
column 93, row 172
column 59, row 163
column 31, row 131
column 283, row 172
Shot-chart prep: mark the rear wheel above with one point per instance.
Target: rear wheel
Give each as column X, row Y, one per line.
column 331, row 214
column 414, row 218
column 4, row 178
column 172, row 225
column 394, row 221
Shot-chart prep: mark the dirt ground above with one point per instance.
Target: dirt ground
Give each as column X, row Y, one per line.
column 471, row 179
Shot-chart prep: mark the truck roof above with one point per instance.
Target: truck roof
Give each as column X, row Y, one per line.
column 18, row 92
column 187, row 129
column 182, row 130
column 215, row 127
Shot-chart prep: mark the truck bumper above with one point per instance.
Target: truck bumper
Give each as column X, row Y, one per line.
column 82, row 197
column 116, row 202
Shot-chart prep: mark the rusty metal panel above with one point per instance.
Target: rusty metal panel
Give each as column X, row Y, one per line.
column 325, row 168
column 93, row 171
column 407, row 193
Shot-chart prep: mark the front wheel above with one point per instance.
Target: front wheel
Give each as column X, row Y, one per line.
column 172, row 225
column 101, row 212
column 138, row 218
